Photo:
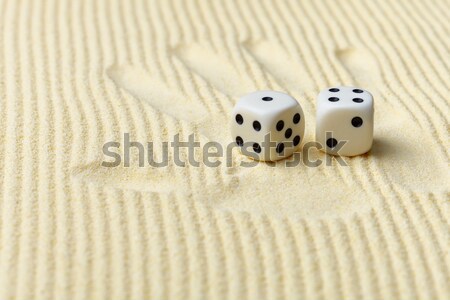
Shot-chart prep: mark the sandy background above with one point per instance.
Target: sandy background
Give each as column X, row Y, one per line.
column 77, row 74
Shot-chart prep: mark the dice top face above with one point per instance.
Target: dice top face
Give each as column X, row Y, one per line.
column 268, row 112
column 345, row 114
column 344, row 97
column 266, row 103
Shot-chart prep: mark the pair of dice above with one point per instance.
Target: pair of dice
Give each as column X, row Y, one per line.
column 269, row 125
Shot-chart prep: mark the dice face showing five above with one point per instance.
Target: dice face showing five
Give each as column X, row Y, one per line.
column 268, row 116
column 344, row 114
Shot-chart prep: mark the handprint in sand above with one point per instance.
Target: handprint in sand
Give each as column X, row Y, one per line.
column 196, row 95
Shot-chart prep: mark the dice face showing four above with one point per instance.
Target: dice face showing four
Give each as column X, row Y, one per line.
column 344, row 114
column 268, row 116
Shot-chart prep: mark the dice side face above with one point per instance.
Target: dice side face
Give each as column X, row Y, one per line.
column 286, row 131
column 256, row 122
column 344, row 115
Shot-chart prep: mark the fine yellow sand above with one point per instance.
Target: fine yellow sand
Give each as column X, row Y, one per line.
column 77, row 74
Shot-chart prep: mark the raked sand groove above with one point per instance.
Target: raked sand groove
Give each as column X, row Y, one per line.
column 74, row 75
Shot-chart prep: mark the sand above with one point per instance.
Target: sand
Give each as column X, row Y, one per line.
column 75, row 75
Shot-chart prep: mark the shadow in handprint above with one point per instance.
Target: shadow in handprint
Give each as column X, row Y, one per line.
column 138, row 82
column 289, row 73
column 214, row 70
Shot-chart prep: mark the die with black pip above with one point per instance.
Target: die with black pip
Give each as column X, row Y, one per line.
column 268, row 125
column 344, row 120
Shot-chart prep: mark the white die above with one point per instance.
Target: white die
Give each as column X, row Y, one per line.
column 267, row 112
column 344, row 114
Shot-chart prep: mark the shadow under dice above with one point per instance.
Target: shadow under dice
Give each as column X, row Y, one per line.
column 268, row 125
column 344, row 121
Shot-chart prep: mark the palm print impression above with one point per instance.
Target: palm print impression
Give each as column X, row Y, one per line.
column 198, row 96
